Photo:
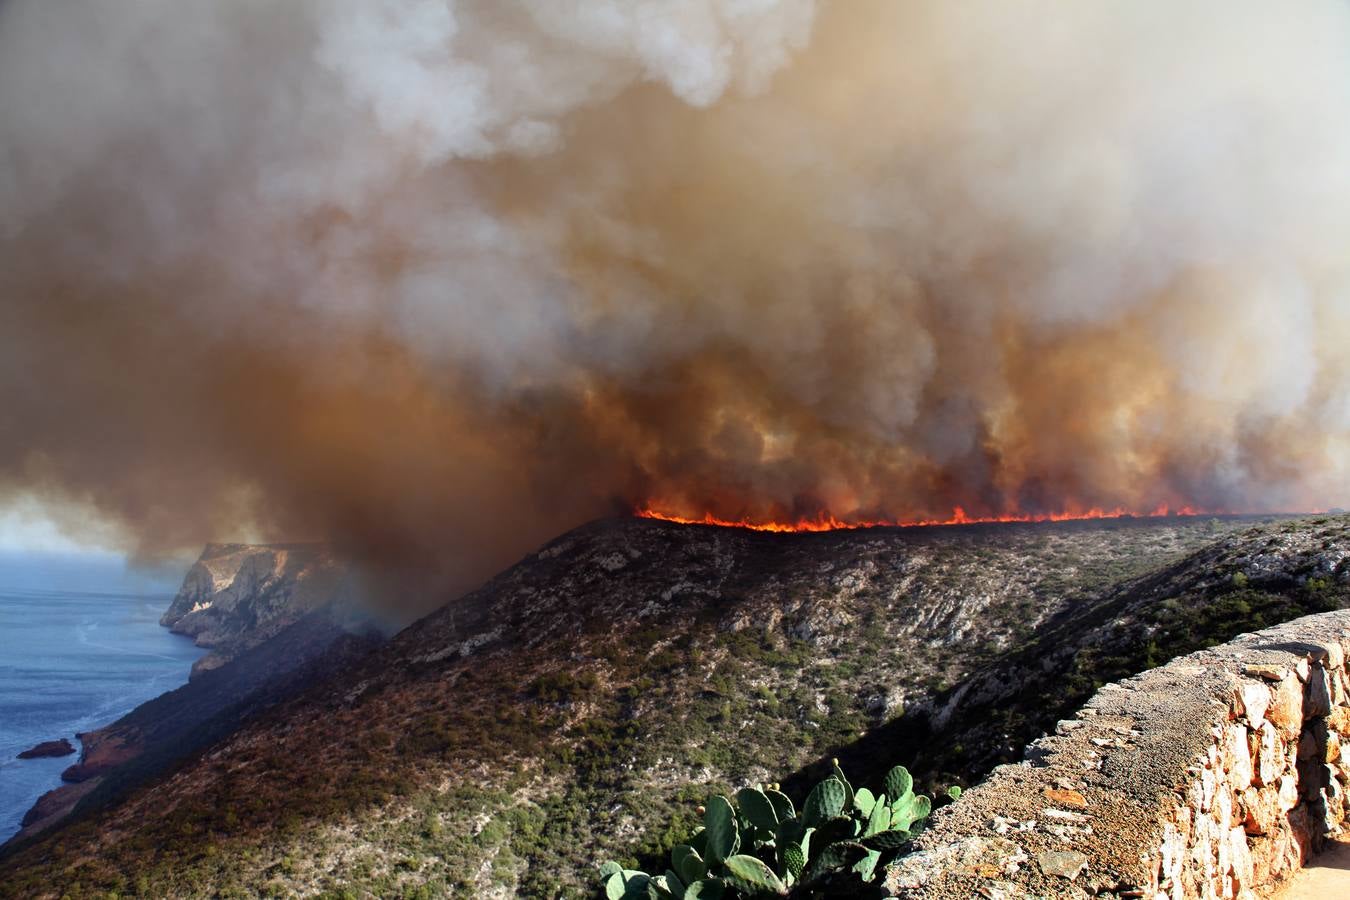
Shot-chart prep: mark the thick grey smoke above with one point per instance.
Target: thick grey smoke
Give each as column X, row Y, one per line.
column 437, row 278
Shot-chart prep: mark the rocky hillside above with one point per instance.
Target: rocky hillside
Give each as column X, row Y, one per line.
column 581, row 703
column 238, row 595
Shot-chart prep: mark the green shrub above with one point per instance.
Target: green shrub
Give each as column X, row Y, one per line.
column 563, row 687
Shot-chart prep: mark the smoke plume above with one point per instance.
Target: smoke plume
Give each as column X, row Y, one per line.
column 436, row 279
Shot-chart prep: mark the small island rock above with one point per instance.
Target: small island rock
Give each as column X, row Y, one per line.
column 62, row 747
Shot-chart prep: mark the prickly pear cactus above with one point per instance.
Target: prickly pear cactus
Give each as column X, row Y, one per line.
column 898, row 782
column 721, row 829
column 825, row 801
column 753, row 876
column 761, row 845
column 755, row 807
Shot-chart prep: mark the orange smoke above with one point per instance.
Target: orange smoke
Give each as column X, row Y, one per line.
column 828, row 522
column 436, row 301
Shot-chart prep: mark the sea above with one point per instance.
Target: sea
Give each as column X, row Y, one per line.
column 80, row 646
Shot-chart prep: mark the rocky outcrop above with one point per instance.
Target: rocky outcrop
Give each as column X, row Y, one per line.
column 54, row 806
column 61, row 747
column 1214, row 776
column 238, row 595
column 101, row 751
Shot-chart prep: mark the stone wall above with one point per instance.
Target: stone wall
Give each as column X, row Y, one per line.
column 1213, row 776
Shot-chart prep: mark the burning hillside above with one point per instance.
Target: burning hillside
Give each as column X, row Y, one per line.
column 416, row 269
column 828, row 522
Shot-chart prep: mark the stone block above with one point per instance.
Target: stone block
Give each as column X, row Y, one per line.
column 1288, row 793
column 1307, row 745
column 1237, row 756
column 1241, row 857
column 1266, row 672
column 1301, row 829
column 1316, row 729
column 1333, row 798
column 1254, row 698
column 1262, row 810
column 1195, row 794
column 1264, row 855
column 1270, row 756
column 1286, row 707
column 1318, row 698
column 1336, row 684
column 1335, row 654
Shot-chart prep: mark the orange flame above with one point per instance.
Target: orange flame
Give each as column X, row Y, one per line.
column 828, row 522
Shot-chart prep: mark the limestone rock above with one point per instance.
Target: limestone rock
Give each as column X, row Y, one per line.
column 1319, row 693
column 238, row 595
column 1286, row 707
column 1255, row 699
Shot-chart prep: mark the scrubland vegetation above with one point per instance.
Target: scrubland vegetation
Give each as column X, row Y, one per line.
column 617, row 697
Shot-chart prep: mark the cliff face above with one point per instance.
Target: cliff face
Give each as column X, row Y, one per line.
column 238, row 595
column 582, row 700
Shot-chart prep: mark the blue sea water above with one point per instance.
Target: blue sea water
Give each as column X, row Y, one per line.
column 80, row 645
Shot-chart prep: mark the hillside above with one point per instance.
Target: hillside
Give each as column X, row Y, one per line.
column 580, row 704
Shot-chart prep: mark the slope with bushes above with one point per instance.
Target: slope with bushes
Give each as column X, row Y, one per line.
column 588, row 700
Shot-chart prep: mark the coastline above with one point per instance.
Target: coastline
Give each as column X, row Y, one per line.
column 87, row 651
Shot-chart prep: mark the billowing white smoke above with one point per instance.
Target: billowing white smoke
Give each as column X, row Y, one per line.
column 450, row 275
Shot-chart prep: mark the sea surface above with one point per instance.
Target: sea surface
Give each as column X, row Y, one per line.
column 80, row 646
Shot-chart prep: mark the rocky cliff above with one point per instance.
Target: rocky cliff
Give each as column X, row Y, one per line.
column 238, row 595
column 584, row 701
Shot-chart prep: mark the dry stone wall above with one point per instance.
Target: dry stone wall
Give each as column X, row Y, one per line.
column 1214, row 776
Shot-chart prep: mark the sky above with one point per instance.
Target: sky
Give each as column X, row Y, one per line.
column 27, row 528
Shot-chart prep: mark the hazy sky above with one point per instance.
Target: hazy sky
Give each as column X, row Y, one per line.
column 25, row 527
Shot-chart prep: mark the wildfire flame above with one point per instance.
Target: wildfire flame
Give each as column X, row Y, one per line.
column 828, row 522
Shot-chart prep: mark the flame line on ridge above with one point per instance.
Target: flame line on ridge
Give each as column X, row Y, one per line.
column 959, row 516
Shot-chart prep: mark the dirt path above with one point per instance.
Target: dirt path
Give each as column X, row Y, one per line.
column 1327, row 876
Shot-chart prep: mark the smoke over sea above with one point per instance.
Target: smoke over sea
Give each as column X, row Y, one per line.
column 436, row 279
